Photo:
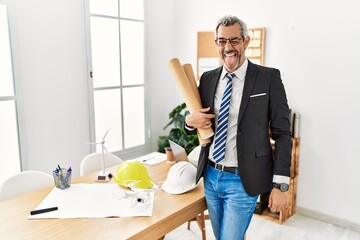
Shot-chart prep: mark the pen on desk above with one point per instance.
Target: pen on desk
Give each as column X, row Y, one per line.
column 43, row 210
column 147, row 159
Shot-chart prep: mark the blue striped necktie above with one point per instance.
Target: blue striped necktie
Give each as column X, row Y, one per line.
column 222, row 124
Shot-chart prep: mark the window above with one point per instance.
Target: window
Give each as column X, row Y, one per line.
column 116, row 69
column 9, row 139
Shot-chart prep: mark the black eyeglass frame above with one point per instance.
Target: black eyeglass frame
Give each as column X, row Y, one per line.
column 231, row 41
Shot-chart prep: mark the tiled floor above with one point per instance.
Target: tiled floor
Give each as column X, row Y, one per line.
column 298, row 227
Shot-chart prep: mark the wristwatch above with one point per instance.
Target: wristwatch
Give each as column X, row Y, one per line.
column 282, row 186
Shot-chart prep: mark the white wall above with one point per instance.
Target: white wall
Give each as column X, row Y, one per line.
column 313, row 43
column 160, row 48
column 49, row 55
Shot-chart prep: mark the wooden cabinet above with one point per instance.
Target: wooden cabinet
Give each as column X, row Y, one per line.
column 291, row 209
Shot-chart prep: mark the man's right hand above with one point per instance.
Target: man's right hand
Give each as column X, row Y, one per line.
column 200, row 119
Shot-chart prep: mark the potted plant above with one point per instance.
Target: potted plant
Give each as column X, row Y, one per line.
column 177, row 133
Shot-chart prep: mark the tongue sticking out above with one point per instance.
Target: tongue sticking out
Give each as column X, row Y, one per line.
column 230, row 59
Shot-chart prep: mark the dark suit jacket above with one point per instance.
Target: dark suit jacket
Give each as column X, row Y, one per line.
column 256, row 161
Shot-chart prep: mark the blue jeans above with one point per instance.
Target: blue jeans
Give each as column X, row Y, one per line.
column 230, row 207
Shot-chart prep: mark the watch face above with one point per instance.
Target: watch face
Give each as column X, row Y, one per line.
column 284, row 187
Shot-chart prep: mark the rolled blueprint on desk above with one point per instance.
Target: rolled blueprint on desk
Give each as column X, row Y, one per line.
column 189, row 94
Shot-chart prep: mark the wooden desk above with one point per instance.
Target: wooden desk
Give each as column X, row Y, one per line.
column 170, row 211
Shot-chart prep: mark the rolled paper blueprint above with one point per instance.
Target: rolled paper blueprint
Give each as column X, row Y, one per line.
column 192, row 102
column 191, row 77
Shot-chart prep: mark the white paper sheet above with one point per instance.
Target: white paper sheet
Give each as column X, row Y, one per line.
column 151, row 159
column 95, row 201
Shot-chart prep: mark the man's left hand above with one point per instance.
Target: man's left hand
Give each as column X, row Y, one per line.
column 277, row 200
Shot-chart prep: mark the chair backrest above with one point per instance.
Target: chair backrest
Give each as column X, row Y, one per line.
column 93, row 162
column 24, row 182
column 193, row 156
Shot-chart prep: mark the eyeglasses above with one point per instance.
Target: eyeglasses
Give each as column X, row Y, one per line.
column 221, row 42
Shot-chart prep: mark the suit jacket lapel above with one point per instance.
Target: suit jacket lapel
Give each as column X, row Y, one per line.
column 250, row 78
column 214, row 82
column 212, row 90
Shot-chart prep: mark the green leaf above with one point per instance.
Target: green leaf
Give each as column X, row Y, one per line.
column 178, row 133
column 163, row 142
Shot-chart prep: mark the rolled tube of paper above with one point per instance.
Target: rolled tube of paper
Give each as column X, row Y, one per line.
column 203, row 141
column 191, row 77
column 192, row 103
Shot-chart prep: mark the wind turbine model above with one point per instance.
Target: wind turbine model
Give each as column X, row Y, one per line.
column 103, row 176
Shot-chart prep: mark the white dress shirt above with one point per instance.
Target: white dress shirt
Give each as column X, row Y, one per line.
column 236, row 95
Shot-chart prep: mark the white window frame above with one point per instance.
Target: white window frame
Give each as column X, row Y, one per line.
column 129, row 152
column 15, row 100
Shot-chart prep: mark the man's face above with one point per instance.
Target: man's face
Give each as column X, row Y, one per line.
column 233, row 55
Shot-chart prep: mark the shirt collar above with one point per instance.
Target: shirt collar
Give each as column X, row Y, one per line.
column 240, row 72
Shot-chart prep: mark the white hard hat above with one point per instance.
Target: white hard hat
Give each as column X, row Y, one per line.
column 181, row 178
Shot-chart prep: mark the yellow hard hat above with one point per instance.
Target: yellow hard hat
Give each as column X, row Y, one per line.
column 133, row 174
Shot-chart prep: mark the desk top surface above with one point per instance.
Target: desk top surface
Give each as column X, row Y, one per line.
column 169, row 212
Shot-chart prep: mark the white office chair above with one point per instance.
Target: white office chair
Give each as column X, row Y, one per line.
column 24, row 182
column 93, row 162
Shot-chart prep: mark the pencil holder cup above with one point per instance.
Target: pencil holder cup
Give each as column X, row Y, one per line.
column 62, row 178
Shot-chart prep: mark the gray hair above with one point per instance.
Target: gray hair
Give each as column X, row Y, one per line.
column 231, row 20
